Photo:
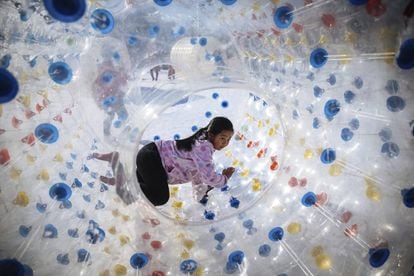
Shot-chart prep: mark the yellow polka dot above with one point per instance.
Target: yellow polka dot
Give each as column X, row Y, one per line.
column 288, row 58
column 317, row 250
column 335, row 170
column 124, row 239
column 188, row 244
column 105, row 273
column 323, row 262
column 30, row 159
column 308, row 154
column 256, row 185
column 120, row 270
column 112, row 230
column 22, row 199
column 107, row 250
column 294, row 228
column 15, row 173
column 199, row 271
column 58, row 158
column 68, row 146
column 177, row 204
column 115, row 213
column 245, row 172
column 373, row 193
column 323, row 39
column 184, row 254
column 126, row 217
column 43, row 175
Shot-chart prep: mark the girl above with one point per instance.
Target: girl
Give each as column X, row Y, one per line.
column 164, row 163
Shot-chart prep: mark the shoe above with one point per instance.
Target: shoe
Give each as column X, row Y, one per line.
column 204, row 200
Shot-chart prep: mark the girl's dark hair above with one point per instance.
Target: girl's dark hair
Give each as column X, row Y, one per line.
column 214, row 127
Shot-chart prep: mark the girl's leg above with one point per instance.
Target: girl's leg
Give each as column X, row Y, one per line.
column 152, row 176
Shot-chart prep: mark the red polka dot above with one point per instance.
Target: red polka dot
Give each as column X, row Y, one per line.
column 328, row 20
column 303, row 182
column 158, row 273
column 375, row 8
column 156, row 244
column 293, row 182
column 146, row 236
column 346, row 217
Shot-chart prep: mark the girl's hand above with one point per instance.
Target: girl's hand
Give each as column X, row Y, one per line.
column 228, row 172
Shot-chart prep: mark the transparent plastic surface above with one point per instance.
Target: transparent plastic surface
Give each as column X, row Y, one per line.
column 321, row 98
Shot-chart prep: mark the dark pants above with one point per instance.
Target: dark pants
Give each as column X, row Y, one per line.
column 151, row 175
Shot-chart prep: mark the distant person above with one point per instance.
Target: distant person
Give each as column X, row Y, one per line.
column 154, row 72
column 171, row 73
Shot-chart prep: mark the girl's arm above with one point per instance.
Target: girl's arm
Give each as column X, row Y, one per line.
column 202, row 155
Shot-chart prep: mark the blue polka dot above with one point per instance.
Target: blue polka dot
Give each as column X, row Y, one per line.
column 358, row 82
column 162, row 3
column 332, row 79
column 215, row 95
column 156, row 138
column 116, row 56
column 60, row 72
column 395, row 103
column 328, row 156
column 176, row 136
column 346, row 134
column 188, row 266
column 83, row 255
column 309, row 199
column 264, row 250
column 208, row 114
column 193, row 40
column 219, row 237
column 316, row 123
column 354, row 124
column 349, row 96
column 138, row 260
column 132, row 41
column 385, row 134
column 392, row 87
column 276, row 234
column 153, row 31
column 47, row 133
column 102, row 21
column 331, row 109
column 317, row 91
column 203, row 41
column 194, row 128
column 390, row 149
column 224, row 104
